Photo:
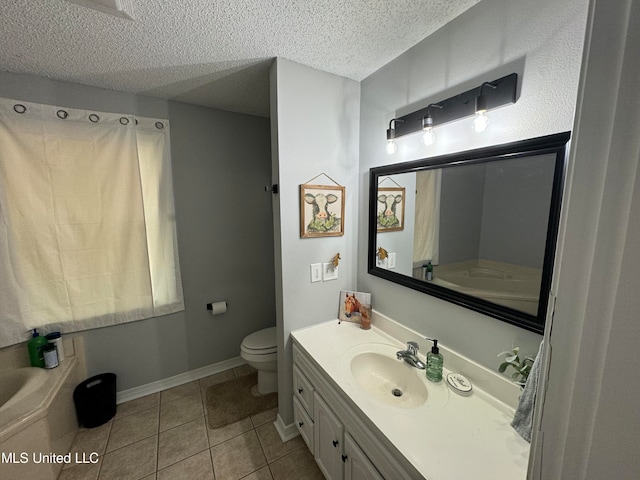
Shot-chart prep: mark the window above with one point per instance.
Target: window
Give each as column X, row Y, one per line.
column 87, row 220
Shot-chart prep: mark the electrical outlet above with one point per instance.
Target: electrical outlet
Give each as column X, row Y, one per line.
column 329, row 272
column 316, row 272
column 392, row 261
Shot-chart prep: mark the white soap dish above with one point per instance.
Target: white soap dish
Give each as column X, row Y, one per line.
column 459, row 383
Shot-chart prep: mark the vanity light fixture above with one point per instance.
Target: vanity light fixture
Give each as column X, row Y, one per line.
column 391, row 136
column 481, row 122
column 487, row 96
column 428, row 136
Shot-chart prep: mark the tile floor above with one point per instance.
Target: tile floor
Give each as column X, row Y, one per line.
column 166, row 436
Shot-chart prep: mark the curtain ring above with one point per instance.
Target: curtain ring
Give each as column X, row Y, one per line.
column 159, row 125
column 94, row 118
column 19, row 108
column 124, row 121
column 62, row 114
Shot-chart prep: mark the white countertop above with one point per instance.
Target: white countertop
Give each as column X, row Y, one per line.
column 449, row 437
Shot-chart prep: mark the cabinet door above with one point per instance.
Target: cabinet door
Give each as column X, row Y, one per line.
column 303, row 389
column 356, row 464
column 303, row 423
column 328, row 437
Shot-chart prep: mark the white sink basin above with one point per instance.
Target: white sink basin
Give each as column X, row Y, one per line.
column 376, row 369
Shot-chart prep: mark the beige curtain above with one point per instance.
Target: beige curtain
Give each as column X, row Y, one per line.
column 427, row 226
column 87, row 223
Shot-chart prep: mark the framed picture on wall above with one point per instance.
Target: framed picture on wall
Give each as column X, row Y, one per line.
column 390, row 212
column 321, row 211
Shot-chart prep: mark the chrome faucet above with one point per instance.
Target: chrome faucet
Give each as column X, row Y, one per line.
column 410, row 355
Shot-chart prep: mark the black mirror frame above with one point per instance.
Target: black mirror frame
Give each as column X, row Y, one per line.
column 551, row 144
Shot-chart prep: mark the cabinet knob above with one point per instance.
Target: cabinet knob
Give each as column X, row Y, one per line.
column 300, row 390
column 335, row 443
column 300, row 424
column 344, row 458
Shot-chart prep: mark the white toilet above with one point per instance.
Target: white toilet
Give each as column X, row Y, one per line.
column 260, row 351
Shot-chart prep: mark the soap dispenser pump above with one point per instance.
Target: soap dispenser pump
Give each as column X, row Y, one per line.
column 435, row 362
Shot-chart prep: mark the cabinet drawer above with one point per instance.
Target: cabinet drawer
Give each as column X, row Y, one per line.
column 303, row 423
column 303, row 390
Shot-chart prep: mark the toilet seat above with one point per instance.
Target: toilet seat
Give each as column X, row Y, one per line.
column 262, row 342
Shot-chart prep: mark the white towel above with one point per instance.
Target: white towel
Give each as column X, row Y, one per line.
column 523, row 418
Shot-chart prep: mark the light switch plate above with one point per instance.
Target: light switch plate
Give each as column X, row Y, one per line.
column 316, row 272
column 392, row 260
column 329, row 272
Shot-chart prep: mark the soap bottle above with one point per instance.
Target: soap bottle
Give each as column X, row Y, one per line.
column 429, row 271
column 35, row 346
column 435, row 362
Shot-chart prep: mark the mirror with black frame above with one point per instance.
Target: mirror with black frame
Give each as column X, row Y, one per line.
column 476, row 228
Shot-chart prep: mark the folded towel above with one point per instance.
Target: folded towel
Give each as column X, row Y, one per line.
column 523, row 418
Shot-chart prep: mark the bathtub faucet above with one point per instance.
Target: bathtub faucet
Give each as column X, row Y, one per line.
column 410, row 355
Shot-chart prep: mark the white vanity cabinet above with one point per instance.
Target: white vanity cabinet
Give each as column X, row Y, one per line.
column 333, row 429
column 377, row 437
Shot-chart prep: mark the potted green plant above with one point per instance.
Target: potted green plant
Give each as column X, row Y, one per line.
column 522, row 366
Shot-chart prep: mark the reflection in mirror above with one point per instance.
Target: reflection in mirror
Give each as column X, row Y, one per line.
column 477, row 228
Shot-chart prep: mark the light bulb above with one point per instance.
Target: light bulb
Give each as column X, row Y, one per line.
column 481, row 122
column 428, row 137
column 391, row 146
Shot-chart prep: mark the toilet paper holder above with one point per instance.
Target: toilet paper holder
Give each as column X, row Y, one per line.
column 217, row 308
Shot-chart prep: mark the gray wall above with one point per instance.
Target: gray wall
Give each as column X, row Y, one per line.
column 462, row 191
column 221, row 162
column 542, row 42
column 326, row 142
column 517, row 198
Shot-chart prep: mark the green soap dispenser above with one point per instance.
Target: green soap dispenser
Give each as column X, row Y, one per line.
column 35, row 346
column 435, row 362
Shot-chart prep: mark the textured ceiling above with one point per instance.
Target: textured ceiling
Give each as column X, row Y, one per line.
column 214, row 53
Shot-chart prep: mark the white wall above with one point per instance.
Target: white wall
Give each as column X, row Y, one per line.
column 590, row 422
column 315, row 117
column 542, row 42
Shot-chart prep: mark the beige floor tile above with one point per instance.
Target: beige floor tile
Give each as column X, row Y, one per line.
column 215, row 379
column 180, row 411
column 219, row 435
column 180, row 391
column 297, row 464
column 89, row 440
column 150, row 477
column 243, row 370
column 137, row 405
column 181, row 442
column 263, row 474
column 238, row 457
column 268, row 416
column 196, row 467
column 131, row 462
column 80, row 472
column 132, row 428
column 273, row 446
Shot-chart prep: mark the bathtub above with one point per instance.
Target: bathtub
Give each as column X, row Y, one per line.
column 37, row 416
column 506, row 284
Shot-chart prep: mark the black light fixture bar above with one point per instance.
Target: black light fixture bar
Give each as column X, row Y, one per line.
column 460, row 106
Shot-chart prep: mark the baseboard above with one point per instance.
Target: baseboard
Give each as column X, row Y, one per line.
column 286, row 432
column 176, row 380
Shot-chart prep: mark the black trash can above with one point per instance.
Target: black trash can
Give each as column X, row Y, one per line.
column 95, row 400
